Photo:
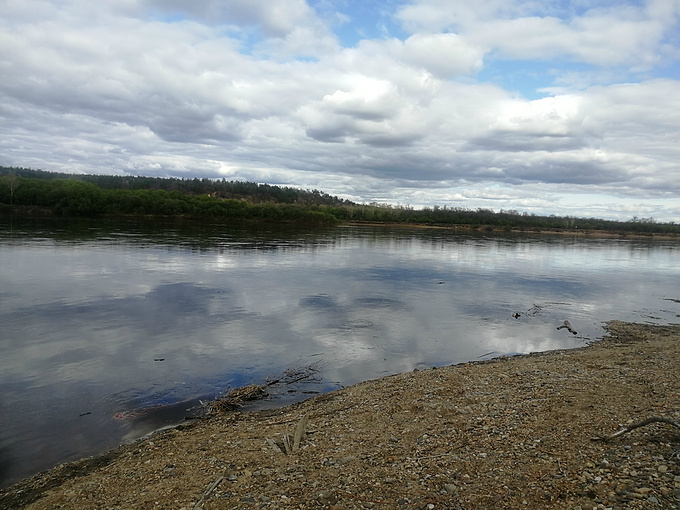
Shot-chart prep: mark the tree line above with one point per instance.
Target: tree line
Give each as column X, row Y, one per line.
column 97, row 195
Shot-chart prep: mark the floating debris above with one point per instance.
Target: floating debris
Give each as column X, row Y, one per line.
column 237, row 397
column 566, row 324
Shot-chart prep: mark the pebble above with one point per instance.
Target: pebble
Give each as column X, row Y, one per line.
column 326, row 498
column 451, row 488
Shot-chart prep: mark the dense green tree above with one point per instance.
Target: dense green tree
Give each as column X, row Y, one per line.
column 91, row 195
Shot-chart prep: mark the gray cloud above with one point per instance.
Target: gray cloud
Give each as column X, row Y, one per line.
column 227, row 90
column 523, row 142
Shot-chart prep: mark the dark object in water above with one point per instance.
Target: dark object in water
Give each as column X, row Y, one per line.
column 567, row 325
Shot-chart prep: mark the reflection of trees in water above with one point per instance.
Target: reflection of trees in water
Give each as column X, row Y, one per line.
column 5, row 465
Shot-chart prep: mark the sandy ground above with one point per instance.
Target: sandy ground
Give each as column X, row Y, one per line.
column 508, row 433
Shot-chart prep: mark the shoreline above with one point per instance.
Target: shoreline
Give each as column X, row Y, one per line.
column 490, row 229
column 510, row 432
column 42, row 212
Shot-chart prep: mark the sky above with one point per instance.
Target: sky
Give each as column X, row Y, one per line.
column 544, row 107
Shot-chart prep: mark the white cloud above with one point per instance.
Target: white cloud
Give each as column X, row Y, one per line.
column 444, row 55
column 610, row 35
column 224, row 89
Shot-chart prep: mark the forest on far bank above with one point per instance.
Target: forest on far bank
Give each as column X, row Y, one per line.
column 31, row 191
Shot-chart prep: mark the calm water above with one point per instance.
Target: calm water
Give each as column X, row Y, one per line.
column 111, row 330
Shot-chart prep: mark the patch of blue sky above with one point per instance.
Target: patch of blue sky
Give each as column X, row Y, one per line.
column 671, row 71
column 569, row 9
column 356, row 20
column 247, row 39
column 167, row 16
column 528, row 78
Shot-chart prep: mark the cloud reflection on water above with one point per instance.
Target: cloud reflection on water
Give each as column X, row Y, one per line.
column 84, row 323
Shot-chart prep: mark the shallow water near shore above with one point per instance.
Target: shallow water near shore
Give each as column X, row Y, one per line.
column 114, row 329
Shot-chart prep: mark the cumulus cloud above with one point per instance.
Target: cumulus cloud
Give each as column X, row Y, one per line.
column 444, row 55
column 602, row 34
column 267, row 91
column 276, row 18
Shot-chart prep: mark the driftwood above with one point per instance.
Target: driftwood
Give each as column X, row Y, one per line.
column 566, row 324
column 633, row 426
column 237, row 397
column 299, row 432
column 289, row 445
column 211, row 487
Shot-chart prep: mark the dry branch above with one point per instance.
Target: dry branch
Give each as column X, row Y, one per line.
column 287, row 445
column 299, row 432
column 273, row 444
column 633, row 426
column 237, row 397
column 210, row 488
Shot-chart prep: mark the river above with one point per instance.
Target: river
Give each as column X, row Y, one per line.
column 112, row 329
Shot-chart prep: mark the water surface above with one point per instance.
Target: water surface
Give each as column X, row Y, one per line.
column 112, row 329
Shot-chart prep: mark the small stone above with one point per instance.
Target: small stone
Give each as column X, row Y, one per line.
column 451, row 488
column 662, row 469
column 653, row 499
column 326, row 498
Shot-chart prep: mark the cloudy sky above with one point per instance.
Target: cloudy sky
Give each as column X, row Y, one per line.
column 544, row 106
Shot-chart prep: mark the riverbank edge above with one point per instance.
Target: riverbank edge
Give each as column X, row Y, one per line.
column 491, row 229
column 32, row 489
column 45, row 212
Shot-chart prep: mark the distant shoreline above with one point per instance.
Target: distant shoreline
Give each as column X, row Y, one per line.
column 47, row 212
column 604, row 234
